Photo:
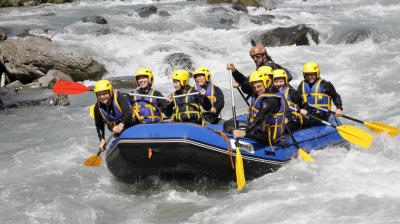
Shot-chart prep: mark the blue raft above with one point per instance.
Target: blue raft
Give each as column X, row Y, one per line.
column 189, row 150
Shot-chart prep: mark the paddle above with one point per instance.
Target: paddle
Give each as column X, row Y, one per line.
column 68, row 87
column 350, row 133
column 302, row 153
column 240, row 178
column 95, row 160
column 244, row 98
column 377, row 127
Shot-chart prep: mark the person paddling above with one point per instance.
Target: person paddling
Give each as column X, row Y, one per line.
column 202, row 77
column 261, row 58
column 147, row 109
column 266, row 119
column 187, row 108
column 111, row 109
column 318, row 92
column 293, row 98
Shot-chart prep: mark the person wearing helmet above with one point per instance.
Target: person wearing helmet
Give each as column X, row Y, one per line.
column 267, row 112
column 261, row 58
column 202, row 77
column 111, row 109
column 187, row 108
column 293, row 98
column 147, row 109
column 318, row 92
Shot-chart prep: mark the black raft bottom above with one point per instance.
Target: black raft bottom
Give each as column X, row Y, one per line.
column 180, row 159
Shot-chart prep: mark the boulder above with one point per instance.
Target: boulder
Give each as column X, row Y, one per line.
column 163, row 13
column 94, row 19
column 31, row 57
column 285, row 36
column 354, row 36
column 51, row 77
column 244, row 3
column 147, row 11
column 177, row 61
column 3, row 36
column 239, row 7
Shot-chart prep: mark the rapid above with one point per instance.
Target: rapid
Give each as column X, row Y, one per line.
column 42, row 179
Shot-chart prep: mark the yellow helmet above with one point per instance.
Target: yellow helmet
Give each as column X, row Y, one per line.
column 280, row 73
column 259, row 76
column 267, row 70
column 311, row 67
column 182, row 76
column 145, row 72
column 203, row 71
column 102, row 85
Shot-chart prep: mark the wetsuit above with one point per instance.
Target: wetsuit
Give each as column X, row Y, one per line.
column 125, row 115
column 188, row 109
column 321, row 93
column 217, row 101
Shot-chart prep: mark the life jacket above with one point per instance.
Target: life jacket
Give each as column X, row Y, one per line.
column 146, row 108
column 186, row 109
column 112, row 119
column 274, row 125
column 295, row 114
column 210, row 93
column 316, row 96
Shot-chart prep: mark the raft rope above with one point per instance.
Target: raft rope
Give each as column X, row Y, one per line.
column 230, row 153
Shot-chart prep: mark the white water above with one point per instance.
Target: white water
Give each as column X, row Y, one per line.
column 41, row 176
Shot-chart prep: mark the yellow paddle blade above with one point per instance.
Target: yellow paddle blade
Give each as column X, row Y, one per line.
column 305, row 156
column 355, row 135
column 93, row 161
column 381, row 128
column 240, row 179
column 91, row 111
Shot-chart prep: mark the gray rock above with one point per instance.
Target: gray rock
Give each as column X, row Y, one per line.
column 239, row 7
column 49, row 14
column 14, row 85
column 3, row 36
column 51, row 77
column 94, row 19
column 163, row 13
column 285, row 36
column 177, row 61
column 147, row 11
column 253, row 3
column 357, row 35
column 29, row 58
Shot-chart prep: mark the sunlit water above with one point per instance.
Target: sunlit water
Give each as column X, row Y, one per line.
column 42, row 149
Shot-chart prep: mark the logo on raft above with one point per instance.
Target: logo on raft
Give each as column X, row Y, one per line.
column 244, row 146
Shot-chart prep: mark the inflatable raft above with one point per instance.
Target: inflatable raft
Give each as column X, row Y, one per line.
column 188, row 150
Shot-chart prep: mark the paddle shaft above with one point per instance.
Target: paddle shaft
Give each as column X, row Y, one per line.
column 333, row 112
column 244, row 98
column 107, row 140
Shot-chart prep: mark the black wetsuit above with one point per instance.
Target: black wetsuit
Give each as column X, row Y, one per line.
column 127, row 118
column 331, row 92
column 219, row 105
column 201, row 100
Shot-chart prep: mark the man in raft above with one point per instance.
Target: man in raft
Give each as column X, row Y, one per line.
column 187, row 108
column 261, row 58
column 111, row 108
column 202, row 77
column 267, row 112
column 318, row 92
column 147, row 109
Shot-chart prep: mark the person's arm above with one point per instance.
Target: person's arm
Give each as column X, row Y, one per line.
column 99, row 122
column 126, row 110
column 298, row 99
column 161, row 104
column 268, row 107
column 203, row 101
column 219, row 99
column 331, row 91
column 243, row 81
